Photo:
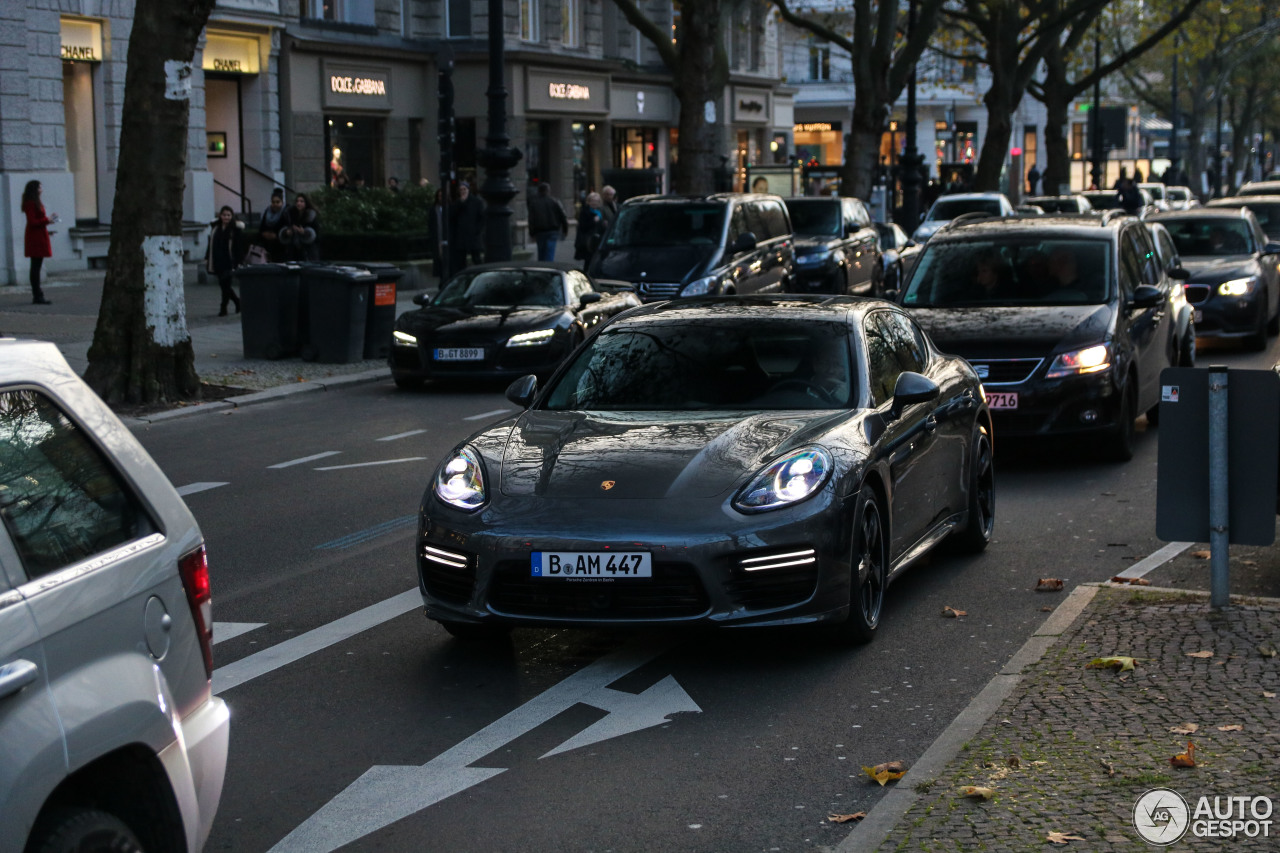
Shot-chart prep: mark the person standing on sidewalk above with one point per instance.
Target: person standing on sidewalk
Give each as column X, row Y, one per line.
column 591, row 228
column 273, row 220
column 36, row 240
column 301, row 233
column 227, row 247
column 547, row 222
column 466, row 230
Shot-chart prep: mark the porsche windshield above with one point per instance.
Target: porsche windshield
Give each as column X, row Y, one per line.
column 666, row 224
column 723, row 365
column 1040, row 271
column 502, row 289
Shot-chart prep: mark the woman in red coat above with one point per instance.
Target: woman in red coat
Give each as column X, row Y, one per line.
column 36, row 242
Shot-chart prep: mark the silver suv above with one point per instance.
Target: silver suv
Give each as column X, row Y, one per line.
column 110, row 735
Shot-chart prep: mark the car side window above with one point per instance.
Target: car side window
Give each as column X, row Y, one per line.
column 579, row 284
column 776, row 217
column 1149, row 264
column 756, row 223
column 1130, row 269
column 882, row 358
column 1168, row 250
column 737, row 224
column 60, row 499
column 860, row 216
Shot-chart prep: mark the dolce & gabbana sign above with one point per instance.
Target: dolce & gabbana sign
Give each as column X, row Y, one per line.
column 567, row 91
column 362, row 87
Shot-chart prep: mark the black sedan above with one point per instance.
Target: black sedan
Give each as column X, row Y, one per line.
column 837, row 248
column 899, row 252
column 1234, row 287
column 724, row 461
column 500, row 320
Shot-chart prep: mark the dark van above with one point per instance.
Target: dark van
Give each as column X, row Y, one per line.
column 665, row 247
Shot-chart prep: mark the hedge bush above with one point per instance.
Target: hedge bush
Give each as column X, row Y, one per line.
column 374, row 210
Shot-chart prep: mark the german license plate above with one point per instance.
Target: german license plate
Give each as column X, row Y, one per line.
column 592, row 565
column 1198, row 316
column 1002, row 400
column 459, row 354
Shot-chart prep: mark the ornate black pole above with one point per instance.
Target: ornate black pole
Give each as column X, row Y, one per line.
column 911, row 159
column 1096, row 116
column 497, row 156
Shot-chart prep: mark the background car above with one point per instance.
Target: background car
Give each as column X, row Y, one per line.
column 1234, row 287
column 1060, row 203
column 837, row 248
column 1181, row 198
column 500, row 320
column 717, row 462
column 1158, row 193
column 1266, row 208
column 948, row 207
column 899, row 252
column 110, row 735
column 1072, row 338
column 666, row 247
column 1110, row 200
column 1259, row 188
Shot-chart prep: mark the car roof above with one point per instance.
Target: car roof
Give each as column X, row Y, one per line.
column 23, row 360
column 1243, row 200
column 1203, row 213
column 1267, row 185
column 557, row 266
column 694, row 198
column 788, row 306
column 970, row 197
column 1078, row 225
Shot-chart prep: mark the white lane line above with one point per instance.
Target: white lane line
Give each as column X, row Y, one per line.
column 1159, row 558
column 305, row 459
column 368, row 464
column 229, row 630
column 282, row 654
column 192, row 488
column 401, row 435
column 483, row 415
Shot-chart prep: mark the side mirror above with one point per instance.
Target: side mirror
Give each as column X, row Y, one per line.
column 1182, row 275
column 891, row 294
column 912, row 388
column 590, row 298
column 745, row 243
column 1147, row 296
column 1271, row 249
column 522, row 391
column 421, row 299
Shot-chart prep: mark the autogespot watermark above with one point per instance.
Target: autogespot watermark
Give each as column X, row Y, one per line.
column 1163, row 816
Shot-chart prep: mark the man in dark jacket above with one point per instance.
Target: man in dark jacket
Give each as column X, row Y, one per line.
column 547, row 222
column 466, row 230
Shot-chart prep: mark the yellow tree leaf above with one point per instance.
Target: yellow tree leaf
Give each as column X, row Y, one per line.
column 889, row 771
column 952, row 613
column 1268, row 695
column 1185, row 759
column 1204, row 654
column 1049, row 584
column 1118, row 663
column 1061, row 838
column 1185, row 729
column 845, row 818
column 1232, row 728
column 1201, row 555
column 978, row 792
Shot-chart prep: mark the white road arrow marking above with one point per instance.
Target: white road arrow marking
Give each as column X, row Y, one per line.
column 223, row 631
column 193, row 488
column 384, row 795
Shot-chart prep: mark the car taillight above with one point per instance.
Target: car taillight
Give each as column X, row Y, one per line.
column 194, row 568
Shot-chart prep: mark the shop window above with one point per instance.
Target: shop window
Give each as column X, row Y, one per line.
column 355, row 145
column 569, row 23
column 530, row 20
column 82, row 157
column 1077, row 140
column 341, row 11
column 536, row 134
column 458, row 18
column 635, row 147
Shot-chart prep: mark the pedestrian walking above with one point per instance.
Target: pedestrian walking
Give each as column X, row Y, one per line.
column 36, row 245
column 1128, row 195
column 609, row 203
column 466, row 230
column 547, row 222
column 301, row 233
column 226, row 251
column 591, row 228
column 1033, row 180
column 274, row 219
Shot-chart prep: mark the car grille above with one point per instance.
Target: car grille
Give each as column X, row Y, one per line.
column 1005, row 371
column 447, row 575
column 765, row 580
column 674, row 591
column 1197, row 293
column 652, row 291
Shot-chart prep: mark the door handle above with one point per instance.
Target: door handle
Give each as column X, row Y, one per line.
column 16, row 675
column 930, row 423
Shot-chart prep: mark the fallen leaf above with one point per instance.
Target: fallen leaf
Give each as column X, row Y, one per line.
column 952, row 613
column 1202, row 555
column 1061, row 838
column 1046, row 609
column 978, row 792
column 1049, row 584
column 1248, row 562
column 1232, row 728
column 1118, row 663
column 845, row 818
column 1185, row 729
column 1014, row 761
column 1205, row 654
column 1268, row 695
column 999, row 774
column 1267, row 651
column 889, row 771
column 1140, row 582
column 1106, row 765
column 1185, row 759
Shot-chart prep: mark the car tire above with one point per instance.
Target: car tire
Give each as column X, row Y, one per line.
column 1187, row 350
column 976, row 534
column 1257, row 342
column 84, row 831
column 869, row 572
column 1119, row 445
column 469, row 632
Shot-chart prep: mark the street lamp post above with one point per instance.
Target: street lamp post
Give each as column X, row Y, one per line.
column 497, row 156
column 911, row 159
column 1173, row 136
column 1096, row 117
column 1217, row 151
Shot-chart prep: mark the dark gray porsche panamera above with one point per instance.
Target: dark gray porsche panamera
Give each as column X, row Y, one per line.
column 719, row 461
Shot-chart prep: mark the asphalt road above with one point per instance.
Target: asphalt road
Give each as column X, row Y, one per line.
column 572, row 740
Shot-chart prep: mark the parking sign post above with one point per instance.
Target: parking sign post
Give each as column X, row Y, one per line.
column 1219, row 498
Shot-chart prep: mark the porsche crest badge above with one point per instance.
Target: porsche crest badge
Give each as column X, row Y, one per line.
column 607, row 485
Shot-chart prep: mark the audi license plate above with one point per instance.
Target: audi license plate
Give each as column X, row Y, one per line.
column 592, row 565
column 459, row 354
column 1002, row 400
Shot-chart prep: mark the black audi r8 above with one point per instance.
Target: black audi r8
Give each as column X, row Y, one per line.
column 500, row 320
column 732, row 461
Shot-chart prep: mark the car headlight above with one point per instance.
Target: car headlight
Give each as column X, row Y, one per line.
column 785, row 481
column 1092, row 359
column 404, row 339
column 460, row 481
column 1238, row 286
column 531, row 339
column 701, row 287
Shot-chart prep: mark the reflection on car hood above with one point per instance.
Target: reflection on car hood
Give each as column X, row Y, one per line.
column 652, row 263
column 488, row 321
column 808, row 243
column 1219, row 269
column 647, row 455
column 1022, row 332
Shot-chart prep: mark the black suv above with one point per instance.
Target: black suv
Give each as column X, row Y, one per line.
column 1068, row 320
column 837, row 247
column 664, row 247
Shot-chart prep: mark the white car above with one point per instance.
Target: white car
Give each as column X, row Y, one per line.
column 110, row 735
column 948, row 207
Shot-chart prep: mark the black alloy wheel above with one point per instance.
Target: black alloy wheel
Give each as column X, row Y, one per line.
column 1119, row 445
column 976, row 534
column 83, row 830
column 870, row 572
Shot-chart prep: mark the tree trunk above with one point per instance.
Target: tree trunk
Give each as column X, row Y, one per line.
column 862, row 142
column 995, row 145
column 141, row 350
column 700, row 83
column 1057, row 104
